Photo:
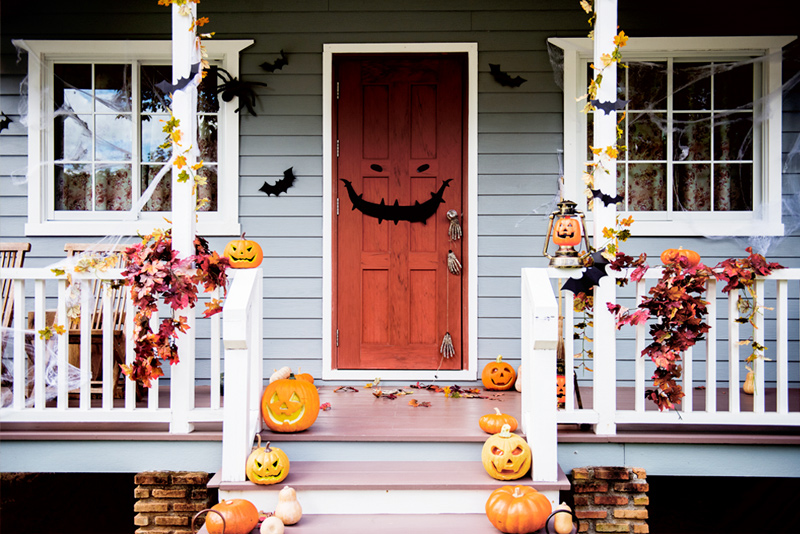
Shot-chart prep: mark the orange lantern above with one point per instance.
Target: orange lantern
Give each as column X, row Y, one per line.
column 566, row 229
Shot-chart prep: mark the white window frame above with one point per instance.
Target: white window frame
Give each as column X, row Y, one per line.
column 42, row 55
column 765, row 219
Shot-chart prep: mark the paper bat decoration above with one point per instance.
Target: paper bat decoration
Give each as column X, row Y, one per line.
column 395, row 212
column 168, row 87
column 232, row 87
column 608, row 107
column 503, row 78
column 4, row 122
column 278, row 64
column 591, row 275
column 282, row 185
column 606, row 199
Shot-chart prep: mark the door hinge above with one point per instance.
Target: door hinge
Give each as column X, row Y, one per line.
column 337, row 337
column 337, row 90
column 337, row 205
column 337, row 148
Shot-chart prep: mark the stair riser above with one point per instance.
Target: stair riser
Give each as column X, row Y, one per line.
column 381, row 452
column 324, row 501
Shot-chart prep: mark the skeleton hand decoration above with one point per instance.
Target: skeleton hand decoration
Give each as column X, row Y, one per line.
column 453, row 265
column 447, row 349
column 455, row 228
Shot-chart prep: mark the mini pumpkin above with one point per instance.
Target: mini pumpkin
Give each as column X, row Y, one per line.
column 305, row 376
column 506, row 456
column 240, row 517
column 243, row 253
column 671, row 255
column 290, row 405
column 518, row 509
column 567, row 232
column 267, row 465
column 498, row 375
column 492, row 423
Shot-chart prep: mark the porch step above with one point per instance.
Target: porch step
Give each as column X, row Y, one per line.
column 385, row 487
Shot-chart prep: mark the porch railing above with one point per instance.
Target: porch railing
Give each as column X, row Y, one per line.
column 713, row 370
column 40, row 385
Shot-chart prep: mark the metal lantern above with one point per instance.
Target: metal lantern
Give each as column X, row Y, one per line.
column 567, row 227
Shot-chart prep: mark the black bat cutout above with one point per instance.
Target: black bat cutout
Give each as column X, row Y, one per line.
column 591, row 275
column 395, row 212
column 606, row 199
column 278, row 64
column 168, row 87
column 503, row 78
column 232, row 87
column 375, row 167
column 282, row 185
column 608, row 107
column 4, row 122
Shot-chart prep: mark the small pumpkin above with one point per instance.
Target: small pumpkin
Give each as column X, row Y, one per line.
column 236, row 516
column 267, row 465
column 272, row 525
column 288, row 509
column 498, row 375
column 243, row 253
column 517, row 509
column 749, row 386
column 305, row 376
column 567, row 232
column 671, row 255
column 290, row 405
column 506, row 456
column 492, row 423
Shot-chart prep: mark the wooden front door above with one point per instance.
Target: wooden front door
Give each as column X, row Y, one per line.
column 399, row 124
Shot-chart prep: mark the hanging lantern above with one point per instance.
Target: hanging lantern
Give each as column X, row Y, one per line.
column 566, row 228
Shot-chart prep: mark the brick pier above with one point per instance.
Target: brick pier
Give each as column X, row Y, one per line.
column 167, row 501
column 610, row 499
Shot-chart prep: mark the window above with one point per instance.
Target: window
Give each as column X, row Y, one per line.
column 95, row 130
column 701, row 133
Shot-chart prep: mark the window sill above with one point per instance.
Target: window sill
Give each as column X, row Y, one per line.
column 125, row 228
column 743, row 227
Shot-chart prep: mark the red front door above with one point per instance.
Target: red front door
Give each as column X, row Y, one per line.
column 399, row 124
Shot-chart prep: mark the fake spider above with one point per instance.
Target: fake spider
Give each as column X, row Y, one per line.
column 232, row 87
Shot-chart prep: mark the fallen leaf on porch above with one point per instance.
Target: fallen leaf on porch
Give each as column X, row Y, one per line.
column 325, row 406
column 391, row 394
column 373, row 383
column 415, row 403
column 345, row 389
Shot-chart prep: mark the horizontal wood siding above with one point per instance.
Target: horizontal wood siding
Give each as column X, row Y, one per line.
column 519, row 137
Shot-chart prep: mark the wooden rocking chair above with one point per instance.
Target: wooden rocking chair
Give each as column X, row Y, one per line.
column 11, row 255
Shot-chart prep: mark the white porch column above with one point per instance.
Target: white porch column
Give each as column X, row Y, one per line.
column 184, row 107
column 605, row 135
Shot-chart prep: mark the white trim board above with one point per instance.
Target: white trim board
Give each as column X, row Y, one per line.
column 471, row 235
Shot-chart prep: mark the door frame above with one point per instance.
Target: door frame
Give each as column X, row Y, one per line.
column 470, row 322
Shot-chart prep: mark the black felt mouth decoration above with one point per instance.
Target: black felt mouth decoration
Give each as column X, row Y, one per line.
column 591, row 275
column 504, row 78
column 282, row 185
column 395, row 212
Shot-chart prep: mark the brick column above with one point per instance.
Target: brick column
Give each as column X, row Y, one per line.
column 610, row 499
column 167, row 501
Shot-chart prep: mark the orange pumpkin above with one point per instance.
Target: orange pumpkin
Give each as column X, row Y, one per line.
column 561, row 390
column 518, row 509
column 506, row 456
column 243, row 253
column 305, row 376
column 671, row 255
column 498, row 375
column 492, row 423
column 567, row 232
column 290, row 405
column 240, row 517
column 267, row 465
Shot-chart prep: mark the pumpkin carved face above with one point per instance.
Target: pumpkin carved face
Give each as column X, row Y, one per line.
column 517, row 510
column 267, row 465
column 506, row 456
column 567, row 232
column 243, row 253
column 498, row 375
column 290, row 405
column 561, row 390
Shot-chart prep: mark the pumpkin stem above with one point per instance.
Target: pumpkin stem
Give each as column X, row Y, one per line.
column 499, row 358
column 259, row 440
column 505, row 431
column 497, row 411
column 517, row 492
column 266, row 447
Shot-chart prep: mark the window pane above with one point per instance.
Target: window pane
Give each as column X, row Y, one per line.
column 733, row 137
column 733, row 187
column 207, row 101
column 692, row 187
column 647, row 139
column 73, row 137
column 73, row 187
column 161, row 199
column 733, row 86
column 648, row 85
column 153, row 99
column 73, row 87
column 691, row 86
column 114, row 137
column 113, row 188
column 207, row 137
column 152, row 137
column 209, row 189
column 692, row 137
column 112, row 88
column 647, row 187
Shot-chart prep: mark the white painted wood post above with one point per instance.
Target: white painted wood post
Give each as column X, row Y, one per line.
column 539, row 341
column 605, row 135
column 184, row 108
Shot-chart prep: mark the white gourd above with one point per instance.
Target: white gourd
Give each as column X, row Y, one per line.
column 272, row 525
column 283, row 372
column 288, row 510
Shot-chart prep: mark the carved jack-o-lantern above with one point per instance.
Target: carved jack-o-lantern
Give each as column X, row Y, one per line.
column 243, row 253
column 567, row 232
column 498, row 375
column 267, row 465
column 290, row 405
column 561, row 390
column 506, row 456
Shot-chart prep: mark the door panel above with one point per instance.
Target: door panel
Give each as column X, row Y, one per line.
column 400, row 130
